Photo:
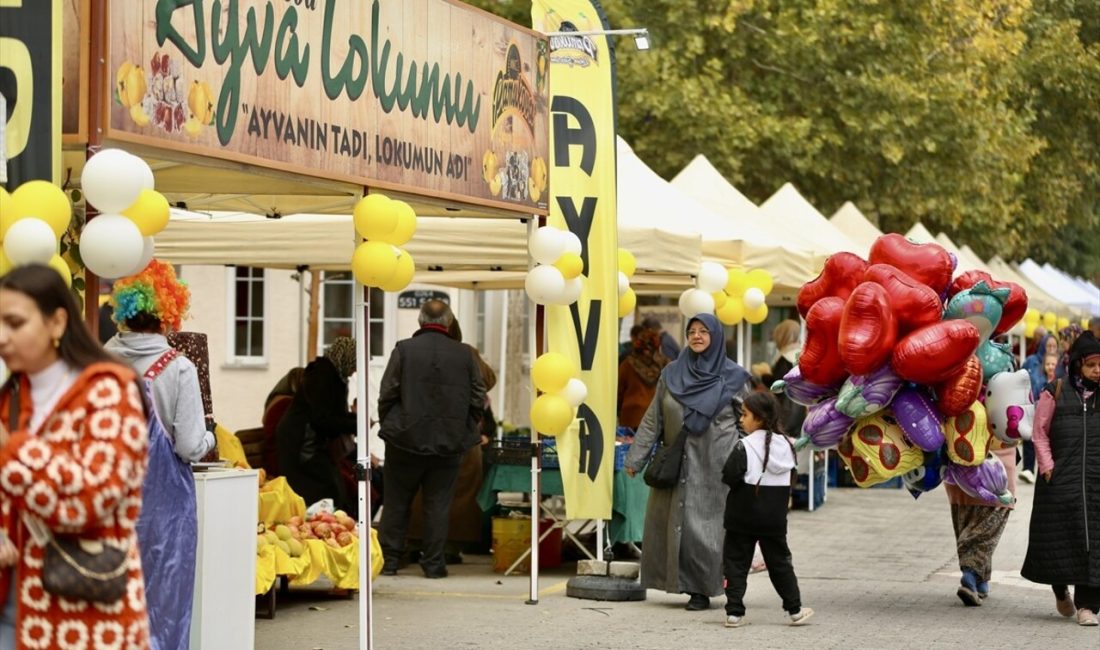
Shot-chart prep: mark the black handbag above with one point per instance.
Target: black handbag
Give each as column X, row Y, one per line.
column 663, row 470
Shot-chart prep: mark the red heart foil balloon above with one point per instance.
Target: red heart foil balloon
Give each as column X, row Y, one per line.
column 868, row 329
column 842, row 273
column 934, row 353
column 1014, row 307
column 955, row 395
column 820, row 360
column 926, row 263
column 914, row 304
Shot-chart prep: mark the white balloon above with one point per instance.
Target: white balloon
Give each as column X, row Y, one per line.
column 752, row 298
column 111, row 246
column 712, row 277
column 547, row 244
column 147, row 181
column 575, row 392
column 147, row 251
column 624, row 283
column 572, row 243
column 570, row 293
column 30, row 241
column 112, row 180
column 696, row 301
column 544, row 284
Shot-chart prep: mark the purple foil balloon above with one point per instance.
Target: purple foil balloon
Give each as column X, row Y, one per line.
column 863, row 395
column 802, row 391
column 825, row 425
column 987, row 481
column 918, row 418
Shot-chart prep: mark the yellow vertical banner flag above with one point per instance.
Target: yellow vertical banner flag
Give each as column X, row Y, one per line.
column 582, row 199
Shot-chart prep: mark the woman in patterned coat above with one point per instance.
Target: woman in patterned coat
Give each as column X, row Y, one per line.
column 74, row 460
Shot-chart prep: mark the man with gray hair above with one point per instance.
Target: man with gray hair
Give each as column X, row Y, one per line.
column 429, row 406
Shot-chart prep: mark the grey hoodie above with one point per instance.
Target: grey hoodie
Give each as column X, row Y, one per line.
column 176, row 393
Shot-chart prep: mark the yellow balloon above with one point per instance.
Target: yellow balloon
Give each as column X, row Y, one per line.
column 627, row 263
column 1063, row 323
column 59, row 265
column 570, row 265
column 374, row 263
column 551, row 414
column 1029, row 330
column 732, row 312
column 758, row 315
column 402, row 275
column 406, row 225
column 552, row 371
column 1032, row 316
column 737, row 281
column 1084, row 323
column 1050, row 320
column 374, row 216
column 44, row 200
column 5, row 263
column 627, row 302
column 720, row 298
column 149, row 213
column 761, row 279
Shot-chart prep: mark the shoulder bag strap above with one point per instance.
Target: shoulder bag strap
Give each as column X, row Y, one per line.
column 160, row 364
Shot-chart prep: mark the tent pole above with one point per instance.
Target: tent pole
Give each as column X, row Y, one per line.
column 363, row 469
column 97, row 103
column 302, row 316
column 502, row 375
column 535, row 322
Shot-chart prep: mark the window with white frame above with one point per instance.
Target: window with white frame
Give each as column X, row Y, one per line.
column 338, row 315
column 247, row 332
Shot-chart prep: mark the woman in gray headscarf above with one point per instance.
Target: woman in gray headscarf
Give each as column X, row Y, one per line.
column 319, row 415
column 682, row 542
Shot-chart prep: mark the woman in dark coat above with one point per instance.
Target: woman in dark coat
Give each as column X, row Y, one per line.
column 317, row 417
column 1064, row 541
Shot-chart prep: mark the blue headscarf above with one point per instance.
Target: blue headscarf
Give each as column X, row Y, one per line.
column 704, row 383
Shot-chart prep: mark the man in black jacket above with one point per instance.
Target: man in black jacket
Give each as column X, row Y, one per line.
column 429, row 406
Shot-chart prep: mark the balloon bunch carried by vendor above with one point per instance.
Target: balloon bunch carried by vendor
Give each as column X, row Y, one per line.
column 900, row 372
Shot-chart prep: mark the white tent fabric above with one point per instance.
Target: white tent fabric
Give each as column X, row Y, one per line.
column 736, row 229
column 850, row 221
column 1066, row 292
column 1090, row 293
column 920, row 234
column 1036, row 297
column 966, row 262
column 804, row 225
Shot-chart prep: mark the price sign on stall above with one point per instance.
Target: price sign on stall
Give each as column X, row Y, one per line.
column 415, row 299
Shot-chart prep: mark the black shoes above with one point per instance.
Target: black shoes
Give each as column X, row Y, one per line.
column 435, row 574
column 697, row 603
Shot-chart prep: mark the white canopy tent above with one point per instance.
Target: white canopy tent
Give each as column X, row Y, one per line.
column 1059, row 286
column 920, row 234
column 966, row 262
column 850, row 221
column 1088, row 290
column 804, row 225
column 1036, row 297
column 735, row 228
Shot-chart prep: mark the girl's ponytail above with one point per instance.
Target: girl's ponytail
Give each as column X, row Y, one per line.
column 766, row 408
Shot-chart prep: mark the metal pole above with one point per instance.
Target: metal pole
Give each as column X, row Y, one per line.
column 534, row 324
column 301, row 316
column 362, row 444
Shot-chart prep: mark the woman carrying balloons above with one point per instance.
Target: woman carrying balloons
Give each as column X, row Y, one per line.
column 73, row 443
column 1064, row 539
column 683, row 525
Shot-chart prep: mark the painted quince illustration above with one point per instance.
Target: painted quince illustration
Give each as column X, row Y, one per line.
column 130, row 89
column 536, row 181
column 490, row 171
column 200, row 102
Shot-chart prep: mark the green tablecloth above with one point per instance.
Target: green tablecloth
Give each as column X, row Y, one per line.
column 628, row 496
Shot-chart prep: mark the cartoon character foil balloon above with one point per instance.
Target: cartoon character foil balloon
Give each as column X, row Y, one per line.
column 1009, row 407
column 1014, row 308
column 987, row 480
column 918, row 418
column 995, row 358
column 981, row 305
column 825, row 425
column 928, row 476
column 968, row 436
column 866, row 394
column 801, row 390
column 875, row 450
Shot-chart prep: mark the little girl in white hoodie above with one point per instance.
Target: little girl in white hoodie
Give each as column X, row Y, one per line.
column 759, row 472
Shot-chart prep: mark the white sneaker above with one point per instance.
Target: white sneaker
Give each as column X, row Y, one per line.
column 801, row 616
column 735, row 621
column 1027, row 476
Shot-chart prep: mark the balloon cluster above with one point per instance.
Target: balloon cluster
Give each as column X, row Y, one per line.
column 1049, row 320
column 387, row 225
column 32, row 220
column 119, row 242
column 732, row 294
column 627, row 298
column 556, row 278
column 562, row 392
column 896, row 359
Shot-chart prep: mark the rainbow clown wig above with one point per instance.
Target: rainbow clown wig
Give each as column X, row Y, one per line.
column 154, row 300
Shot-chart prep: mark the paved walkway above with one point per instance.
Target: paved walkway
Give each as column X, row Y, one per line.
column 878, row 567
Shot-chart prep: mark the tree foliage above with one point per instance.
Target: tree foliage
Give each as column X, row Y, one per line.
column 980, row 118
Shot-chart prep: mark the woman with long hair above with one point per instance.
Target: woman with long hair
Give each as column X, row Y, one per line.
column 71, row 466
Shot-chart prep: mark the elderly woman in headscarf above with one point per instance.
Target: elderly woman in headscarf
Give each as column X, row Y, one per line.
column 319, row 416
column 638, row 375
column 698, row 395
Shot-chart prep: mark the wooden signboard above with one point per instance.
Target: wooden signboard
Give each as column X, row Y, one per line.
column 429, row 97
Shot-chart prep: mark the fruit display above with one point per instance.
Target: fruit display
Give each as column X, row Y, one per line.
column 335, row 529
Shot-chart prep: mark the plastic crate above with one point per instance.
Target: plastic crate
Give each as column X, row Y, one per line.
column 550, row 453
column 510, row 451
column 620, row 455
